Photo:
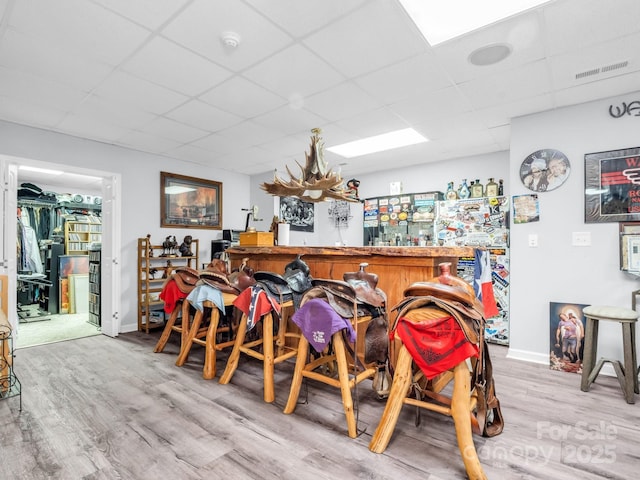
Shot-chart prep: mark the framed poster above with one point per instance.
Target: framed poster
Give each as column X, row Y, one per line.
column 297, row 213
column 189, row 202
column 612, row 186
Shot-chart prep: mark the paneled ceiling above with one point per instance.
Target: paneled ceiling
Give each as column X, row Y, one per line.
column 158, row 76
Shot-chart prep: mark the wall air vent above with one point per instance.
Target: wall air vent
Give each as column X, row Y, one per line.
column 606, row 69
column 615, row 66
column 588, row 73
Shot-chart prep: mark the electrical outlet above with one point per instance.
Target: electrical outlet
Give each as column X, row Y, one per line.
column 533, row 239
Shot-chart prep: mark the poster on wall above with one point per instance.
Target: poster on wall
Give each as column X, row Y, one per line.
column 612, row 186
column 566, row 336
column 298, row 214
column 526, row 208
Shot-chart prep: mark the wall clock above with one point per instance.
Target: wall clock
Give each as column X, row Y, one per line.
column 545, row 170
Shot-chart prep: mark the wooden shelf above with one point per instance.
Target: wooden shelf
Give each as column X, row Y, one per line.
column 149, row 258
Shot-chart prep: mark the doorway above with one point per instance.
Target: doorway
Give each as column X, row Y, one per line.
column 92, row 184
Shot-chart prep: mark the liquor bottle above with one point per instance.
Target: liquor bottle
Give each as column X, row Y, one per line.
column 477, row 189
column 451, row 193
column 491, row 190
column 463, row 189
column 501, row 188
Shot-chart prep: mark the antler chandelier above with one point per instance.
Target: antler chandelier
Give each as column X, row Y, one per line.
column 317, row 182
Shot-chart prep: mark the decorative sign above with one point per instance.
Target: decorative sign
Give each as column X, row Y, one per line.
column 612, row 186
column 632, row 109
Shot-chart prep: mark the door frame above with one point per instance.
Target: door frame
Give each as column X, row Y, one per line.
column 112, row 221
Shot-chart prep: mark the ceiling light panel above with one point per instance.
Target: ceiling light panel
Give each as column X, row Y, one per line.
column 378, row 143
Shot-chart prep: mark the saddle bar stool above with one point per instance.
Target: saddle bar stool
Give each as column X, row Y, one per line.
column 627, row 373
column 206, row 335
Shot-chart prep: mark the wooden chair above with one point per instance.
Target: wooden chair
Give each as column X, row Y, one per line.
column 307, row 367
column 269, row 349
column 204, row 331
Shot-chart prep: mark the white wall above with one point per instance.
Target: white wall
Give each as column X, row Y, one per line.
column 140, row 193
column 557, row 271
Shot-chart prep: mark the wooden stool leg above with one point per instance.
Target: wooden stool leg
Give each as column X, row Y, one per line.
column 267, row 361
column 343, row 377
column 399, row 388
column 630, row 375
column 460, row 406
column 168, row 328
column 186, row 322
column 634, row 357
column 186, row 346
column 234, row 356
column 590, row 351
column 296, row 382
column 209, row 370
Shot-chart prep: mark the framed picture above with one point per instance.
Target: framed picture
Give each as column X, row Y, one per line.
column 612, row 186
column 566, row 336
column 188, row 202
column 630, row 247
column 298, row 214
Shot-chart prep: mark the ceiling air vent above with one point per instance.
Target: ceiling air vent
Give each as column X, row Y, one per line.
column 588, row 73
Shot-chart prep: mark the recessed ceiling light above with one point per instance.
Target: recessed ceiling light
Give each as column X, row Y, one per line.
column 490, row 54
column 378, row 143
column 442, row 21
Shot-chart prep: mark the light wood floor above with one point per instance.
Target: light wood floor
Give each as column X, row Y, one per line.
column 100, row 408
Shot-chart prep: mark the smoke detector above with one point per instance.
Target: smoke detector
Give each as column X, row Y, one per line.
column 230, row 39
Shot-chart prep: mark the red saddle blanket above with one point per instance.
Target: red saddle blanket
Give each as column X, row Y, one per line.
column 435, row 344
column 170, row 294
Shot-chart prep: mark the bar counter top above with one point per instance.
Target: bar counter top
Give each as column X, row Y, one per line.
column 360, row 251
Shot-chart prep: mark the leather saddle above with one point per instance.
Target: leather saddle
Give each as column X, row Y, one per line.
column 288, row 287
column 219, row 281
column 243, row 277
column 185, row 278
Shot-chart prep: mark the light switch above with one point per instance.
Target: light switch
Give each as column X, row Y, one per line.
column 533, row 239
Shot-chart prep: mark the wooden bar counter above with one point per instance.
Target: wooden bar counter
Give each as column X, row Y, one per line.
column 396, row 267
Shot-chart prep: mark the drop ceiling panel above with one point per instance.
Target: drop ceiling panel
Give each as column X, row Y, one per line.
column 147, row 142
column 176, row 131
column 79, row 26
column 44, row 59
column 614, row 86
column 372, row 123
column 355, row 47
column 434, row 104
column 242, row 97
column 288, row 120
column 342, row 101
column 15, row 110
column 574, row 25
column 203, row 116
column 309, row 74
column 167, row 64
column 149, row 13
column 149, row 97
column 200, row 27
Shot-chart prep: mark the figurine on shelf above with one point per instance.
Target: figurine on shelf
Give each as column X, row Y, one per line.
column 167, row 270
column 152, row 273
column 149, row 247
column 352, row 188
column 166, row 247
column 185, row 248
column 174, row 246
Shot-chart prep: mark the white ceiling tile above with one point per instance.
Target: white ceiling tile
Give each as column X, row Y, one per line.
column 276, row 73
column 43, row 58
column 298, row 19
column 435, row 128
column 147, row 143
column 200, row 28
column 216, row 143
column 133, row 91
column 176, row 131
column 249, row 133
column 35, row 114
column 405, row 79
column 167, row 64
column 609, row 87
column 287, row 120
column 150, row 13
column 36, row 90
column 192, row 153
column 79, row 26
column 498, row 115
column 242, row 97
column 527, row 81
column 380, row 121
column 112, row 112
column 447, row 102
column 342, row 101
column 203, row 116
column 92, row 127
column 576, row 24
column 355, row 48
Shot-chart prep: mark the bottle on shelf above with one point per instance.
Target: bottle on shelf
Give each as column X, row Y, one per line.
column 491, row 190
column 451, row 193
column 477, row 190
column 463, row 190
column 501, row 188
